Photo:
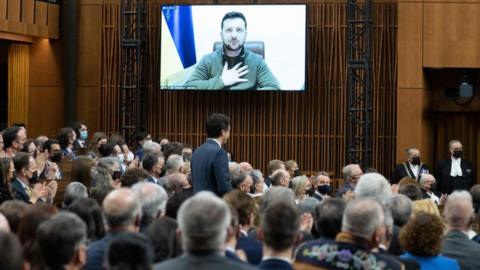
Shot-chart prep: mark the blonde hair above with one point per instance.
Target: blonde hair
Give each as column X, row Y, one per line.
column 408, row 181
column 298, row 183
column 427, row 206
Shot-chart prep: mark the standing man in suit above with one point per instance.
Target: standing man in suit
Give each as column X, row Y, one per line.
column 454, row 173
column 456, row 245
column 413, row 167
column 209, row 161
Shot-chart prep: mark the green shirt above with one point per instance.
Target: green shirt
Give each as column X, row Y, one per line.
column 208, row 72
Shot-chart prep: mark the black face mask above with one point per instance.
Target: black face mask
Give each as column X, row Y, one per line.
column 415, row 160
column 457, row 153
column 297, row 172
column 116, row 175
column 57, row 157
column 324, row 189
column 34, row 178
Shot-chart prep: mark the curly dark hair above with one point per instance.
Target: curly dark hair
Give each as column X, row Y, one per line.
column 422, row 235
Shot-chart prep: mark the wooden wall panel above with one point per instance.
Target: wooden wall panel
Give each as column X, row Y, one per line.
column 89, row 45
column 18, row 73
column 309, row 127
column 46, row 109
column 28, row 9
column 451, row 35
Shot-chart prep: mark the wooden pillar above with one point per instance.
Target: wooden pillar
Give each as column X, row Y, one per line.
column 18, row 74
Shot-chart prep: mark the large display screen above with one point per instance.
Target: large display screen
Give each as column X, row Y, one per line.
column 233, row 47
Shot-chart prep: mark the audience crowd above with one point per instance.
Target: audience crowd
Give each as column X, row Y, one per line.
column 77, row 201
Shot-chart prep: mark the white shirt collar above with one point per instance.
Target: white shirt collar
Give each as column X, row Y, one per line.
column 277, row 258
column 414, row 168
column 456, row 169
column 217, row 141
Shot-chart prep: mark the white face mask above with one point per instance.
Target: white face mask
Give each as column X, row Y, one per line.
column 120, row 157
column 130, row 156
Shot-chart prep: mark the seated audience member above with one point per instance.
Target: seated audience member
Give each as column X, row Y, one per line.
column 242, row 182
column 401, row 208
column 259, row 186
column 153, row 164
column 291, row 166
column 109, row 149
column 351, row 174
column 320, row 186
column 122, row 213
column 425, row 205
column 373, row 185
column 74, row 191
column 458, row 213
column 174, row 164
column 30, row 148
column 203, row 234
column 106, row 178
column 421, row 238
column 6, row 174
column 363, row 227
column 39, row 142
column 52, row 170
column 174, row 203
column 14, row 211
column 328, row 218
column 178, row 182
column 27, row 232
column 82, row 170
column 61, row 240
column 233, row 168
column 273, row 166
column 280, row 178
column 162, row 233
column 81, row 131
column 245, row 167
column 98, row 139
column 426, row 182
column 280, row 231
column 67, row 137
column 153, row 200
column 13, row 140
column 411, row 191
column 133, row 176
column 172, row 148
column 300, row 185
column 91, row 213
column 245, row 207
column 141, row 138
column 11, row 257
column 130, row 250
column 151, row 147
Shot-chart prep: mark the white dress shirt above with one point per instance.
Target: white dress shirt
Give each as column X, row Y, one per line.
column 415, row 169
column 456, row 168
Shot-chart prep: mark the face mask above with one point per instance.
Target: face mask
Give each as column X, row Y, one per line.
column 57, row 157
column 415, row 160
column 84, row 135
column 297, row 172
column 116, row 175
column 130, row 156
column 324, row 189
column 457, row 153
column 120, row 157
column 34, row 178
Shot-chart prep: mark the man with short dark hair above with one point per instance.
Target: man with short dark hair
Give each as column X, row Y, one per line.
column 130, row 251
column 81, row 131
column 13, row 140
column 209, row 161
column 133, row 176
column 153, row 164
column 280, row 230
column 11, row 257
column 242, row 181
column 52, row 169
column 233, row 67
column 273, row 166
column 281, row 178
column 122, row 212
column 328, row 218
column 62, row 241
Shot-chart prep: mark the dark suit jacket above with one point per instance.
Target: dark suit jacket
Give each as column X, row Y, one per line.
column 442, row 174
column 231, row 255
column 212, row 261
column 96, row 253
column 400, row 172
column 343, row 189
column 253, row 249
column 458, row 246
column 425, row 195
column 19, row 192
column 209, row 167
column 275, row 264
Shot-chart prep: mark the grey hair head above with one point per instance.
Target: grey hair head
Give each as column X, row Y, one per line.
column 362, row 217
column 277, row 194
column 203, row 221
column 401, row 209
column 174, row 163
column 73, row 191
column 373, row 185
column 256, row 176
column 151, row 147
column 308, row 205
column 347, row 171
column 458, row 210
column 153, row 200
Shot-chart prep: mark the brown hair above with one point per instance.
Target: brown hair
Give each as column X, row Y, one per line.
column 422, row 235
column 81, row 170
column 243, row 203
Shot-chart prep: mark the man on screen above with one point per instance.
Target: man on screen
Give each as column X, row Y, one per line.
column 233, row 67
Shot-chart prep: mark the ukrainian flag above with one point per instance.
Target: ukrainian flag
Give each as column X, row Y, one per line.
column 178, row 44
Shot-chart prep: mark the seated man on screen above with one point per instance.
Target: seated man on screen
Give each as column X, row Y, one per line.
column 233, row 67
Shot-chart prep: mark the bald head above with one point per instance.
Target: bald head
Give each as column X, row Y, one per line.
column 280, row 178
column 459, row 210
column 121, row 208
column 245, row 167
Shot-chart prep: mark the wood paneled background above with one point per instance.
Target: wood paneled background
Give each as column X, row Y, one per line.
column 308, row 127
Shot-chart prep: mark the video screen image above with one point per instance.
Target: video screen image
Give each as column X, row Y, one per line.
column 233, row 47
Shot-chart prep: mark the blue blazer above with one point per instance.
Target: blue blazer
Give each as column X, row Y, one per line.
column 253, row 249
column 274, row 264
column 18, row 191
column 209, row 167
column 96, row 253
